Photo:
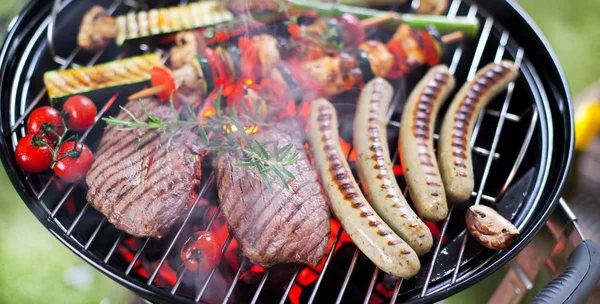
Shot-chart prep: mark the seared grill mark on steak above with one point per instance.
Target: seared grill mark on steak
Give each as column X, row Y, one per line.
column 464, row 114
column 144, row 191
column 278, row 226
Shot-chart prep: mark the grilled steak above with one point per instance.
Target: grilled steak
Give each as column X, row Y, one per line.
column 143, row 190
column 279, row 225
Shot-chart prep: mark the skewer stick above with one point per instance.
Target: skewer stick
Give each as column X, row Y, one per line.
column 453, row 37
column 377, row 20
column 151, row 91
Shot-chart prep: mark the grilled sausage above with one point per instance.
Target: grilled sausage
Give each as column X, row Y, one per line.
column 375, row 167
column 368, row 231
column 454, row 146
column 416, row 144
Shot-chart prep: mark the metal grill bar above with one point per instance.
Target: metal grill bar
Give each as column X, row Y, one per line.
column 488, row 165
column 235, row 280
column 77, row 219
column 436, row 253
column 187, row 218
column 93, row 236
column 522, row 152
column 208, row 226
column 348, row 275
column 137, row 256
column 396, row 290
column 290, row 284
column 329, row 256
column 371, row 286
column 260, row 286
column 114, row 246
column 223, row 250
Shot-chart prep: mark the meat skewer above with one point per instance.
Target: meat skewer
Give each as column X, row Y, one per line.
column 98, row 28
column 407, row 50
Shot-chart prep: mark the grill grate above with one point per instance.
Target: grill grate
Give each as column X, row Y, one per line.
column 426, row 286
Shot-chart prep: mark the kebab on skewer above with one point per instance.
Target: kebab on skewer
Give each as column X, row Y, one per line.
column 98, row 29
column 326, row 76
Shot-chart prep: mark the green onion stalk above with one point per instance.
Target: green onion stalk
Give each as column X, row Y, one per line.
column 445, row 25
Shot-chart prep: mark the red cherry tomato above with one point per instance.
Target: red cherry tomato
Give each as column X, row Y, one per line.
column 82, row 113
column 32, row 155
column 294, row 30
column 45, row 114
column 161, row 76
column 74, row 161
column 201, row 252
column 357, row 31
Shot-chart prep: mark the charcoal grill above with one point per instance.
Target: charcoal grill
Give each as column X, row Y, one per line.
column 522, row 152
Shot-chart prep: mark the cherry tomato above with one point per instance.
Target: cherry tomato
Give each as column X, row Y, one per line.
column 201, row 252
column 45, row 114
column 32, row 155
column 294, row 30
column 82, row 113
column 74, row 161
column 161, row 76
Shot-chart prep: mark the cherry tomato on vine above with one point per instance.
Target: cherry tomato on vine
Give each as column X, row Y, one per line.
column 74, row 161
column 32, row 155
column 43, row 115
column 201, row 252
column 82, row 113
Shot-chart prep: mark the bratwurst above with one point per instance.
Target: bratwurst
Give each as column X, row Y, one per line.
column 375, row 167
column 368, row 231
column 456, row 164
column 416, row 144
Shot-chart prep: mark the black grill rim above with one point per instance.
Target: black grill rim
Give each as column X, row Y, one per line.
column 508, row 13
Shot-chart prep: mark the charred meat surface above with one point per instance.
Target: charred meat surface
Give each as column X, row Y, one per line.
column 142, row 187
column 280, row 225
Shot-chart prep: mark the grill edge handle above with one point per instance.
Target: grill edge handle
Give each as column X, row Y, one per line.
column 579, row 279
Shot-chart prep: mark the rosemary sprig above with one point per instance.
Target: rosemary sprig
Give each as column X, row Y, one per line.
column 225, row 132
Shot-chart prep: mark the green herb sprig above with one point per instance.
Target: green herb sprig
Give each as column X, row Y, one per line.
column 223, row 131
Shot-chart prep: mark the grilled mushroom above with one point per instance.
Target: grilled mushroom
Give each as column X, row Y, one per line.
column 489, row 228
column 188, row 45
column 97, row 29
column 431, row 7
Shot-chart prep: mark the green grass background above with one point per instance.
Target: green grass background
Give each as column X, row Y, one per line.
column 33, row 263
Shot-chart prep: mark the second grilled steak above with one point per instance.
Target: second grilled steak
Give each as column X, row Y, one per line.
column 142, row 188
column 279, row 225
